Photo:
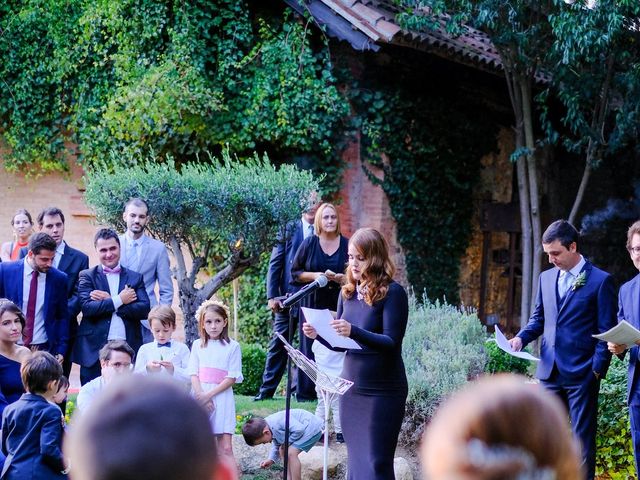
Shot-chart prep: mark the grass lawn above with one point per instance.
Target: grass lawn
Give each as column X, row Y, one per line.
column 246, row 406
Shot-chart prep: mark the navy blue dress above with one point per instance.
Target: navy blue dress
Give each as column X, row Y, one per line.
column 372, row 410
column 10, row 382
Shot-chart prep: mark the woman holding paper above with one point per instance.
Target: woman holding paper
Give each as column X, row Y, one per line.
column 373, row 311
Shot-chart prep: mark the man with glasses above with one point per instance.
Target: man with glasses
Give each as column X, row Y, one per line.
column 113, row 300
column 629, row 310
column 116, row 358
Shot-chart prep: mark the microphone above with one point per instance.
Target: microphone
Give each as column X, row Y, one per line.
column 319, row 282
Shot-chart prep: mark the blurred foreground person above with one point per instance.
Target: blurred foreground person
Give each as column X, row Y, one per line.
column 132, row 432
column 500, row 428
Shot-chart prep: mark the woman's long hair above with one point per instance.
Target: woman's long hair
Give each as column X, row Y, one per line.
column 377, row 270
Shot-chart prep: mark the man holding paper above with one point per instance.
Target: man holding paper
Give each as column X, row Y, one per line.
column 574, row 301
column 629, row 310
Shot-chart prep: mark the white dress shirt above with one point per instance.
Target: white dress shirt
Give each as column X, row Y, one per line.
column 39, row 332
column 116, row 329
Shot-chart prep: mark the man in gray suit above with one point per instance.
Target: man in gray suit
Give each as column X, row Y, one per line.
column 147, row 256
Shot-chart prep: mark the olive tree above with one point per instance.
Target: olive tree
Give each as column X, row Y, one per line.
column 215, row 217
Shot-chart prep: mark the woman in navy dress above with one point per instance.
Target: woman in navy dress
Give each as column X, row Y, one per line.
column 12, row 322
column 373, row 311
column 324, row 253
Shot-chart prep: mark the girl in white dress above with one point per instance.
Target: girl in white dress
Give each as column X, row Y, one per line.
column 214, row 366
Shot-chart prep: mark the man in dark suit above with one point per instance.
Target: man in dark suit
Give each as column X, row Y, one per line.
column 575, row 300
column 629, row 310
column 67, row 260
column 40, row 291
column 113, row 302
column 278, row 286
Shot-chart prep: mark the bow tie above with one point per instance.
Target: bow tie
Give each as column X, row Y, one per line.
column 112, row 270
column 168, row 345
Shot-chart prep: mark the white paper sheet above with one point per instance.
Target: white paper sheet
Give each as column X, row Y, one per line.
column 321, row 321
column 623, row 334
column 504, row 345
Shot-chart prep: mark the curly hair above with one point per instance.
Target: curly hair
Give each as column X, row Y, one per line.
column 378, row 270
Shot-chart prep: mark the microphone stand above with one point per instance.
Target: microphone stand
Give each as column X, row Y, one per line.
column 321, row 282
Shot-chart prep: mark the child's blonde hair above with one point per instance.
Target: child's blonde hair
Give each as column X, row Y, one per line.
column 216, row 307
column 164, row 314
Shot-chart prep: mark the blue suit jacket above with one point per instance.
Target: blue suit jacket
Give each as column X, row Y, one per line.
column 567, row 329
column 72, row 263
column 282, row 255
column 32, row 440
column 629, row 310
column 96, row 314
column 56, row 317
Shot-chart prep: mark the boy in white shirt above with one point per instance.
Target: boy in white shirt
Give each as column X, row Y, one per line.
column 163, row 355
column 329, row 362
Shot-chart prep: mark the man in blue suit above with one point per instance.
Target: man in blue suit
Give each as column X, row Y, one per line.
column 575, row 300
column 40, row 291
column 278, row 286
column 629, row 310
column 68, row 260
column 113, row 301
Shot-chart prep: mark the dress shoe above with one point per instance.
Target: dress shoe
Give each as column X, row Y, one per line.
column 262, row 396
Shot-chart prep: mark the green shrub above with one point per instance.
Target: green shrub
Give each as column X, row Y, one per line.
column 253, row 358
column 614, row 452
column 442, row 350
column 500, row 361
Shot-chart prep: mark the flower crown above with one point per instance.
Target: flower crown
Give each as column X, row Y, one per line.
column 208, row 303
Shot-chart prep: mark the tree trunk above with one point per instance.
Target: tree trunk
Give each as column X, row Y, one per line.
column 534, row 195
column 581, row 190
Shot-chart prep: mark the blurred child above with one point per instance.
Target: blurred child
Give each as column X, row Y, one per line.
column 329, row 362
column 31, row 427
column 163, row 355
column 305, row 429
column 215, row 365
column 63, row 389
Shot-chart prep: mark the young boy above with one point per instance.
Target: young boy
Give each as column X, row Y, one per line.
column 31, row 427
column 305, row 429
column 163, row 355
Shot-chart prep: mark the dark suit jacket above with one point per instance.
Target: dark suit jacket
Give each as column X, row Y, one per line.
column 32, row 440
column 96, row 314
column 567, row 328
column 282, row 255
column 72, row 263
column 56, row 318
column 629, row 310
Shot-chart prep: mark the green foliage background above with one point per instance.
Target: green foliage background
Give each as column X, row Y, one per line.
column 614, row 452
column 434, row 162
column 127, row 76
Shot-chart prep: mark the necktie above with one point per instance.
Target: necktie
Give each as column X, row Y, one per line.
column 310, row 230
column 564, row 283
column 111, row 270
column 168, row 344
column 31, row 308
column 134, row 256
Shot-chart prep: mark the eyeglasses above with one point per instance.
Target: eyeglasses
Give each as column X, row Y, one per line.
column 634, row 250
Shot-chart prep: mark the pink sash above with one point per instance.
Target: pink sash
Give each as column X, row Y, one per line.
column 211, row 375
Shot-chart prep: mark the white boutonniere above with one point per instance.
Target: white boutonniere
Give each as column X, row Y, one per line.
column 581, row 281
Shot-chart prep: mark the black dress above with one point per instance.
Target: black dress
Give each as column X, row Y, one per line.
column 372, row 410
column 311, row 258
